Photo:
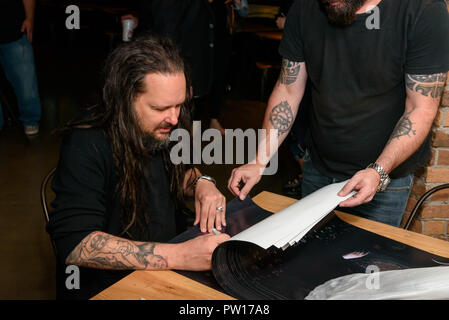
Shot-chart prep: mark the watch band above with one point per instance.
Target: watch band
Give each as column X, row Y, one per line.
column 384, row 178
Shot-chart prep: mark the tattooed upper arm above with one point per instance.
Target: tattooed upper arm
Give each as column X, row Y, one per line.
column 289, row 72
column 430, row 85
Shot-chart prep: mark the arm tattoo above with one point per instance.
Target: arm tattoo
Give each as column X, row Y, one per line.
column 103, row 251
column 281, row 117
column 428, row 85
column 289, row 72
column 404, row 127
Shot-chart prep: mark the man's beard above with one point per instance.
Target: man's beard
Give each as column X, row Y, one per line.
column 152, row 143
column 342, row 14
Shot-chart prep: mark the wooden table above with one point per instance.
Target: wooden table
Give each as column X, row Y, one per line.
column 169, row 285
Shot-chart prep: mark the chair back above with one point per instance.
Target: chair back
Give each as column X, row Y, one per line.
column 44, row 201
column 421, row 201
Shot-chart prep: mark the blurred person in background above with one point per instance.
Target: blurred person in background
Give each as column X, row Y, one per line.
column 17, row 59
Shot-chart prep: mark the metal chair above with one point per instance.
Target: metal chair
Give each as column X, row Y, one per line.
column 44, row 203
column 421, row 201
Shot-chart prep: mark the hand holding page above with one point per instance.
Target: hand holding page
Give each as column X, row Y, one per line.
column 288, row 226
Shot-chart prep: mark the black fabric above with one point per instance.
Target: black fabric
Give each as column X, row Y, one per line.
column 85, row 183
column 12, row 15
column 190, row 24
column 222, row 57
column 357, row 77
column 284, row 7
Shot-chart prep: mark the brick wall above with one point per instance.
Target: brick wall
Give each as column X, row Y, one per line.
column 433, row 219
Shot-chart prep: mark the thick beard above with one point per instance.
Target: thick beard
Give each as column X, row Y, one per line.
column 153, row 144
column 342, row 16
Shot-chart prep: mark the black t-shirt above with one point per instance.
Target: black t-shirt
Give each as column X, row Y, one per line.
column 12, row 15
column 85, row 182
column 357, row 77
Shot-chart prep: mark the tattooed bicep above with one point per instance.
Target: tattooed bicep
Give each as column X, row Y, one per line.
column 429, row 85
column 289, row 72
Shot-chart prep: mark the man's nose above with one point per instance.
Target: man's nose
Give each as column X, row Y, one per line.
column 172, row 116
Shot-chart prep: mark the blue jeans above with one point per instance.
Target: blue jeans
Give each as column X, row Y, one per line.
column 386, row 207
column 17, row 60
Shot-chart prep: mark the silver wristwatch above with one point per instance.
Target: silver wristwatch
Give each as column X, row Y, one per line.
column 384, row 178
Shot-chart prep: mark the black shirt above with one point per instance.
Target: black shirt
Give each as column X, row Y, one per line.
column 357, row 77
column 85, row 183
column 12, row 15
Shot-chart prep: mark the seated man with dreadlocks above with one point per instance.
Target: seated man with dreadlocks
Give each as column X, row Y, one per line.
column 118, row 195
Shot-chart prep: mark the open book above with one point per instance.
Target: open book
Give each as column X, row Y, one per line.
column 288, row 254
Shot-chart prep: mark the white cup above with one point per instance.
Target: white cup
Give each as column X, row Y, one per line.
column 128, row 26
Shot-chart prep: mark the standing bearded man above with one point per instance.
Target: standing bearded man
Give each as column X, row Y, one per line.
column 376, row 77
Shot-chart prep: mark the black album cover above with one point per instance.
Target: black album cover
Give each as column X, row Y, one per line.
column 332, row 249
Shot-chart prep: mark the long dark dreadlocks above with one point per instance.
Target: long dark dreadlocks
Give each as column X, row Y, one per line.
column 125, row 71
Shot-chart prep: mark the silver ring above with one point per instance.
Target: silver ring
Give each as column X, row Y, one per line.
column 220, row 208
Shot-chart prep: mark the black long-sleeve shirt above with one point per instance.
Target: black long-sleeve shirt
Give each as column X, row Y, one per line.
column 86, row 201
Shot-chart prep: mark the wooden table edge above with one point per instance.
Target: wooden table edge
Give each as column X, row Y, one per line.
column 163, row 284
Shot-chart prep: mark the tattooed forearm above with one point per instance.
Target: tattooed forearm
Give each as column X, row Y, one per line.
column 103, row 251
column 431, row 85
column 289, row 72
column 404, row 127
column 281, row 117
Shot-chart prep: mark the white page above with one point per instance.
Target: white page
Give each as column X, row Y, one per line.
column 292, row 223
column 408, row 284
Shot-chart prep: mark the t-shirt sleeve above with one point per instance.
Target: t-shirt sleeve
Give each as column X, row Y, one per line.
column 79, row 186
column 428, row 45
column 291, row 46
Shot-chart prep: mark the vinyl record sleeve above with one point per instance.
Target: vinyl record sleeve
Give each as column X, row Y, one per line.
column 331, row 249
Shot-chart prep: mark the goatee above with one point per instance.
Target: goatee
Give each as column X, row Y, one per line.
column 343, row 12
